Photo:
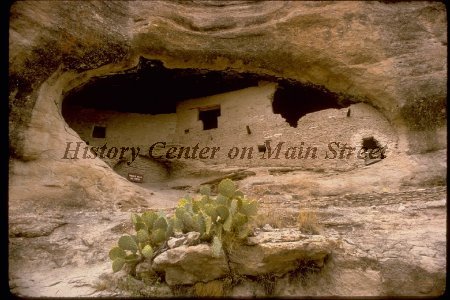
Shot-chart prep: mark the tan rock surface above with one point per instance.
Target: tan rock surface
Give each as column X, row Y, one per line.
column 188, row 265
column 390, row 216
column 278, row 252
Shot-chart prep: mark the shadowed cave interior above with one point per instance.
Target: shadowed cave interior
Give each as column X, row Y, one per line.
column 151, row 88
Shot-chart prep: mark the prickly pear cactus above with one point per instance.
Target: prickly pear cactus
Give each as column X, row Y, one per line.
column 220, row 220
column 227, row 188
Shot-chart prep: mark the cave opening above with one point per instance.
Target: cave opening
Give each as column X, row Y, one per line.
column 151, row 88
column 151, row 103
column 292, row 100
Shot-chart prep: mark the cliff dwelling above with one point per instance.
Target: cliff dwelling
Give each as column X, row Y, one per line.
column 227, row 149
column 151, row 105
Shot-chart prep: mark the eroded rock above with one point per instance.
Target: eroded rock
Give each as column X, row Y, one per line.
column 32, row 226
column 188, row 239
column 279, row 252
column 188, row 265
column 276, row 252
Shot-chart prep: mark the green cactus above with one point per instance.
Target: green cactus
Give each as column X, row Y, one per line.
column 127, row 242
column 160, row 223
column 135, row 219
column 222, row 212
column 208, row 223
column 158, row 236
column 216, row 247
column 147, row 252
column 249, row 208
column 142, row 235
column 205, row 190
column 149, row 217
column 222, row 200
column 117, row 252
column 227, row 188
column 220, row 220
column 117, row 264
column 227, row 224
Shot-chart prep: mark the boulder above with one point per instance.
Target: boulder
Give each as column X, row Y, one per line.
column 188, row 265
column 276, row 252
column 279, row 252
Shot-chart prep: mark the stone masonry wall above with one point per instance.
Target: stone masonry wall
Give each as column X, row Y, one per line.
column 325, row 133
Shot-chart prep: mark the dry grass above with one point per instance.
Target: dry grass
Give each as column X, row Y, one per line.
column 210, row 289
column 100, row 285
column 307, row 222
column 276, row 219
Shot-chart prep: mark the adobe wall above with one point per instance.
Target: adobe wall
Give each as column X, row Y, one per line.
column 253, row 107
column 324, row 132
column 122, row 129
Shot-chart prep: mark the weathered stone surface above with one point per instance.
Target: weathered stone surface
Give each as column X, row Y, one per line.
column 356, row 48
column 380, row 250
column 276, row 252
column 392, row 56
column 32, row 226
column 176, row 242
column 279, row 252
column 188, row 265
column 353, row 48
column 188, row 239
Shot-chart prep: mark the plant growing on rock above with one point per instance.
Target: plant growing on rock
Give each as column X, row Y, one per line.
column 220, row 220
column 152, row 230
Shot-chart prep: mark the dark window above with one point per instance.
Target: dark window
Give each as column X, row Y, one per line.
column 370, row 144
column 99, row 132
column 209, row 117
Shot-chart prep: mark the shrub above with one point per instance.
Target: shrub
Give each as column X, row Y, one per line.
column 220, row 220
column 307, row 222
column 210, row 289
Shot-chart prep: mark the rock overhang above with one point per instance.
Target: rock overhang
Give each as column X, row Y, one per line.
column 362, row 50
column 352, row 48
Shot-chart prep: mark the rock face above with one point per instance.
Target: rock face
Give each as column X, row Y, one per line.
column 391, row 56
column 188, row 265
column 279, row 252
column 268, row 253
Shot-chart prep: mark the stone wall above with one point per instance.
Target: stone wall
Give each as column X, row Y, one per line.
column 323, row 133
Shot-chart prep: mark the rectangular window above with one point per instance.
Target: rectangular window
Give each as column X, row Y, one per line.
column 99, row 132
column 208, row 116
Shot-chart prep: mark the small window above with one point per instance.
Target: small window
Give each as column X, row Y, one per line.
column 370, row 143
column 99, row 132
column 262, row 148
column 209, row 117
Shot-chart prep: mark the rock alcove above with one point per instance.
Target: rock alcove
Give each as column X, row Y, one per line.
column 390, row 58
column 145, row 105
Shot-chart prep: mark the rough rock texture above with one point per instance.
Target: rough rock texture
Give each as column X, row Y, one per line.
column 387, row 243
column 390, row 215
column 278, row 252
column 188, row 265
column 392, row 56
